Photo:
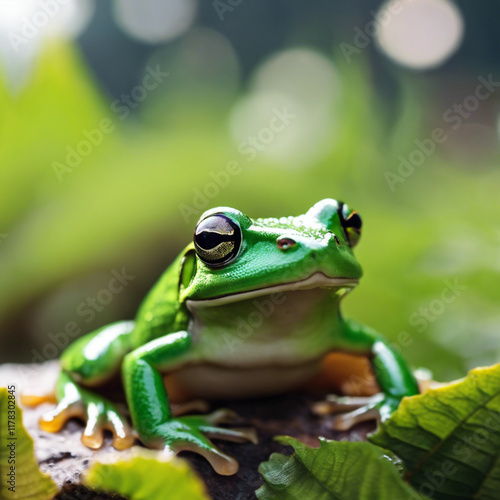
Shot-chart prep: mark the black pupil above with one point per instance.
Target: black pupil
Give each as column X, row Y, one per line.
column 354, row 221
column 217, row 240
column 208, row 240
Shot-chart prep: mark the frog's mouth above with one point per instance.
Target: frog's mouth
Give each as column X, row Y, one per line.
column 316, row 280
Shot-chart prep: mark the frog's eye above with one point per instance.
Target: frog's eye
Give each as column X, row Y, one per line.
column 217, row 240
column 351, row 224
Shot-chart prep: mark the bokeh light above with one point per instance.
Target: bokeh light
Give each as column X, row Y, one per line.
column 26, row 24
column 300, row 73
column 203, row 64
column 155, row 21
column 303, row 83
column 273, row 90
column 420, row 34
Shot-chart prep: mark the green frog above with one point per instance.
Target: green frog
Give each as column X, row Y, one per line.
column 249, row 308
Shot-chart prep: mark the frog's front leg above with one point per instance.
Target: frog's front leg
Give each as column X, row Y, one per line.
column 151, row 413
column 392, row 373
column 90, row 361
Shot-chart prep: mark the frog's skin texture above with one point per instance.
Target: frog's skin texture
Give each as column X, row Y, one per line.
column 249, row 308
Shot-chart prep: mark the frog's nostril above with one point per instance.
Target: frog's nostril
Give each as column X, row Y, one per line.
column 284, row 243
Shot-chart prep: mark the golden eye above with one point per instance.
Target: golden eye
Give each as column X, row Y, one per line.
column 217, row 240
column 351, row 224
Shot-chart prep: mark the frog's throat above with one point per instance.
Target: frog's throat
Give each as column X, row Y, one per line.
column 316, row 280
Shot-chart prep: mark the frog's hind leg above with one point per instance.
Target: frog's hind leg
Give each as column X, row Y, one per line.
column 349, row 411
column 90, row 361
column 393, row 376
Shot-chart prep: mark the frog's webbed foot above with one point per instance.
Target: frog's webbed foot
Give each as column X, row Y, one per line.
column 350, row 411
column 192, row 433
column 192, row 406
column 98, row 413
column 234, row 434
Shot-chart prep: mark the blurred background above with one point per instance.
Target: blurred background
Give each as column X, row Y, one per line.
column 122, row 121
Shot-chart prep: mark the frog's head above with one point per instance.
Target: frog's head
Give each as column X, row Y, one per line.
column 234, row 257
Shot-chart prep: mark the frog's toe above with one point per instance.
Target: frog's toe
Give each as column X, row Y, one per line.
column 193, row 406
column 226, row 416
column 350, row 411
column 337, row 404
column 235, row 434
column 193, row 433
column 55, row 420
column 93, row 435
column 99, row 415
column 223, row 464
column 123, row 435
column 222, row 416
column 346, row 421
column 101, row 419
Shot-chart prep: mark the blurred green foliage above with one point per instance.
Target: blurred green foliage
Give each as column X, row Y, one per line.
column 121, row 206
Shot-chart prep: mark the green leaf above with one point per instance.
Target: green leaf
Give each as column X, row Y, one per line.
column 20, row 476
column 449, row 438
column 336, row 470
column 146, row 475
